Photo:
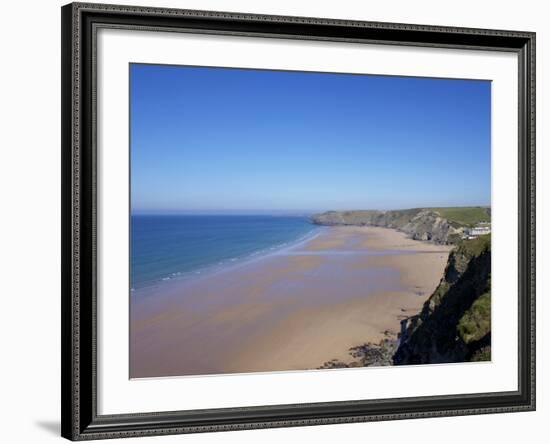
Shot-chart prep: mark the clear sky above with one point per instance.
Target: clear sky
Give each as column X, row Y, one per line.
column 234, row 140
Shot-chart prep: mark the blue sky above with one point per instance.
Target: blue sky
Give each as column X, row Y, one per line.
column 233, row 140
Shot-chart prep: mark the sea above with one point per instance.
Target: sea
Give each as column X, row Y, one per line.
column 168, row 247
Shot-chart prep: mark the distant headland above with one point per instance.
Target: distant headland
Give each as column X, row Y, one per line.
column 440, row 225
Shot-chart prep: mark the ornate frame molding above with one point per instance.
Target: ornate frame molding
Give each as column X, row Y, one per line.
column 80, row 22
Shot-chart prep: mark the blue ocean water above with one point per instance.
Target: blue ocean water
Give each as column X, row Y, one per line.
column 165, row 247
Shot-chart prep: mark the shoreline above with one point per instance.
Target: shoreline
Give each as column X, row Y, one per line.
column 229, row 264
column 345, row 287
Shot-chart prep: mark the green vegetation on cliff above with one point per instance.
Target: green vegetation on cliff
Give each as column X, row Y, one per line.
column 465, row 216
column 441, row 225
column 454, row 324
column 476, row 322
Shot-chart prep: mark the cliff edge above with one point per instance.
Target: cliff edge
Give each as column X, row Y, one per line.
column 454, row 324
column 440, row 225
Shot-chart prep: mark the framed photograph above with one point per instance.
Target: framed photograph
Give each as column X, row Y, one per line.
column 282, row 221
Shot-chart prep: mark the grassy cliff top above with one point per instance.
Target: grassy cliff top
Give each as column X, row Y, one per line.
column 474, row 247
column 457, row 216
column 468, row 216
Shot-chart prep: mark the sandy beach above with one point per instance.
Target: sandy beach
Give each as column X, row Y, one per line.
column 291, row 310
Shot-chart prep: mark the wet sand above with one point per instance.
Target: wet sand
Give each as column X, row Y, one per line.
column 291, row 310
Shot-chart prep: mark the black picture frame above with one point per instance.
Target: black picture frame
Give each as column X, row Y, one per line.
column 80, row 420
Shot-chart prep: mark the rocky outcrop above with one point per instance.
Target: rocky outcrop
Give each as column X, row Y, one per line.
column 368, row 354
column 455, row 322
column 420, row 224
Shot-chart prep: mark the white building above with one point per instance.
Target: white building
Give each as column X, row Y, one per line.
column 479, row 230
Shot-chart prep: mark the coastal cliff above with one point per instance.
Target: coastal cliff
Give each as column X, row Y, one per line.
column 454, row 324
column 440, row 225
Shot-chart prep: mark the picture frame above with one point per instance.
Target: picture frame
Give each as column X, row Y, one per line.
column 80, row 417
